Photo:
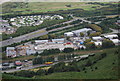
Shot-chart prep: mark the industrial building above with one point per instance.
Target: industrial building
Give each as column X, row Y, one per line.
column 98, row 38
column 62, row 40
column 84, row 30
column 111, row 36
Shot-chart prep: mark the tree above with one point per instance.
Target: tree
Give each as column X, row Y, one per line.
column 40, row 72
column 95, row 34
column 4, row 56
column 68, row 50
column 50, row 51
column 95, row 27
column 68, row 5
column 25, row 73
column 90, row 45
column 67, row 38
column 44, row 37
column 107, row 43
column 81, row 34
column 87, row 40
column 88, row 63
column 52, row 36
column 37, row 60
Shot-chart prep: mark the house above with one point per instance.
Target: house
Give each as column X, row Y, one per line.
column 69, row 34
column 58, row 40
column 22, row 50
column 41, row 41
column 84, row 30
column 98, row 43
column 111, row 36
column 30, row 51
column 69, row 45
column 98, row 38
column 12, row 19
column 10, row 52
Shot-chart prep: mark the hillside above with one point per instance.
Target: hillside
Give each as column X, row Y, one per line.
column 107, row 69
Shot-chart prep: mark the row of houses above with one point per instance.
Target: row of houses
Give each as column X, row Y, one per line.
column 21, row 50
column 5, row 27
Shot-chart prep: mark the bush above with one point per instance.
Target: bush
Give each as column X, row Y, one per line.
column 50, row 51
column 95, row 27
column 90, row 45
column 40, row 72
column 107, row 43
column 68, row 50
column 25, row 73
column 95, row 34
column 37, row 60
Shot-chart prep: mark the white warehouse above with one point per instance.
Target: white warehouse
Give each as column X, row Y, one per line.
column 110, row 36
column 84, row 30
column 69, row 34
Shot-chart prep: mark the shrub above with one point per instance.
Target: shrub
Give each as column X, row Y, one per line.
column 107, row 43
column 68, row 50
column 95, row 27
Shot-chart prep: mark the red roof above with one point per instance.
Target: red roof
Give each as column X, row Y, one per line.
column 18, row 63
column 68, row 43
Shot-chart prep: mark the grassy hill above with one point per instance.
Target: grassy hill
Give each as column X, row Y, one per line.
column 6, row 76
column 107, row 69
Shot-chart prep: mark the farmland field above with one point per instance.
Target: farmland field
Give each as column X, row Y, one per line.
column 34, row 7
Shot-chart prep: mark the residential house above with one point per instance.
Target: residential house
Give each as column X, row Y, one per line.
column 22, row 50
column 98, row 43
column 10, row 52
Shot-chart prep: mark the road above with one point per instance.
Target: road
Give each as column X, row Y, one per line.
column 23, row 37
column 25, row 68
column 33, row 34
column 114, row 31
column 32, row 67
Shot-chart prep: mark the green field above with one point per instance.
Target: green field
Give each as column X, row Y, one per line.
column 106, row 70
column 34, row 7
